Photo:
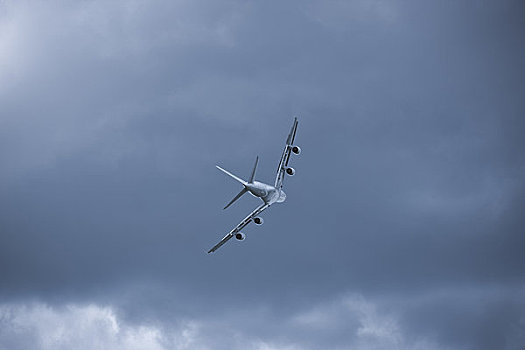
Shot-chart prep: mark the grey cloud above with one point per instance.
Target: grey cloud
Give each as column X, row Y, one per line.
column 411, row 177
column 350, row 321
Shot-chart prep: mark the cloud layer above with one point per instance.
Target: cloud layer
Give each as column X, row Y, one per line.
column 349, row 322
column 402, row 228
column 342, row 322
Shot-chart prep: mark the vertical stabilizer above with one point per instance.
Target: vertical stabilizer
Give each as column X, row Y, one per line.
column 252, row 177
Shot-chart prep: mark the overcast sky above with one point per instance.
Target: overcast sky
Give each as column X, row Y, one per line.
column 403, row 226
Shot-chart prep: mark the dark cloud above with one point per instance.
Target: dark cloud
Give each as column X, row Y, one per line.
column 402, row 227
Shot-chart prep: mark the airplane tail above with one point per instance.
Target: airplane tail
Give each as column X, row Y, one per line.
column 252, row 177
column 233, row 176
column 244, row 183
column 239, row 195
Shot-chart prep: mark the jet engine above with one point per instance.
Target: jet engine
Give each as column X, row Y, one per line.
column 240, row 236
column 258, row 220
column 296, row 149
column 290, row 171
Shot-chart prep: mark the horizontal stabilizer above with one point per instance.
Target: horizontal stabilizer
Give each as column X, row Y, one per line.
column 243, row 191
column 230, row 174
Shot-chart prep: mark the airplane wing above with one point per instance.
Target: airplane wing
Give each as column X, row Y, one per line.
column 239, row 227
column 286, row 156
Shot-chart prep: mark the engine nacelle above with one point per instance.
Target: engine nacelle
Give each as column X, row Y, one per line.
column 296, row 149
column 290, row 171
column 258, row 220
column 240, row 236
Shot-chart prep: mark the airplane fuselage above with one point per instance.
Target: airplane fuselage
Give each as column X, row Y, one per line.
column 269, row 194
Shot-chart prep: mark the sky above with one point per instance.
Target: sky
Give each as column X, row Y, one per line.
column 403, row 225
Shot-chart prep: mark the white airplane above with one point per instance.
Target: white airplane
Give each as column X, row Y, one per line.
column 269, row 194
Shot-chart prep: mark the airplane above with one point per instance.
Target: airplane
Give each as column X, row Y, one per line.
column 267, row 193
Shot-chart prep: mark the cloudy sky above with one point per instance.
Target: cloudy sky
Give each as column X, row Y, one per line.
column 403, row 227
